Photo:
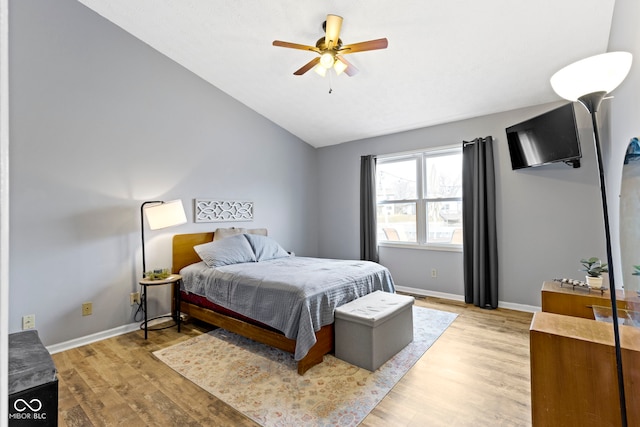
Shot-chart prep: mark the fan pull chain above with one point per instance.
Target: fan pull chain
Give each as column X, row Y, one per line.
column 330, row 81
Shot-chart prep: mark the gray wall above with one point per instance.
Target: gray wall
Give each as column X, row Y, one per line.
column 548, row 217
column 101, row 122
column 624, row 120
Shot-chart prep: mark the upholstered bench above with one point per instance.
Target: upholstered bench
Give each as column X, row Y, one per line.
column 372, row 329
column 33, row 382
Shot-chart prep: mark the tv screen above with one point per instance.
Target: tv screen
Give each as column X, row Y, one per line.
column 548, row 138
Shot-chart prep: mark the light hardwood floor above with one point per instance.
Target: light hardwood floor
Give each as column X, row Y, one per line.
column 476, row 374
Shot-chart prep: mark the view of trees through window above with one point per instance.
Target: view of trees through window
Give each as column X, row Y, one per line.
column 419, row 198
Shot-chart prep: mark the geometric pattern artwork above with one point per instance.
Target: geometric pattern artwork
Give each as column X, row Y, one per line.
column 208, row 210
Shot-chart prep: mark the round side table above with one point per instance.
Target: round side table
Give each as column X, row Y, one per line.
column 176, row 281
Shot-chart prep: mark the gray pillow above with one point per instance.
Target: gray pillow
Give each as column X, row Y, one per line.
column 265, row 248
column 231, row 250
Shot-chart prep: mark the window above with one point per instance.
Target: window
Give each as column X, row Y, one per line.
column 419, row 198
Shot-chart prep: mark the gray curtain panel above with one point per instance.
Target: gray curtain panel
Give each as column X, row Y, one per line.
column 480, row 243
column 368, row 229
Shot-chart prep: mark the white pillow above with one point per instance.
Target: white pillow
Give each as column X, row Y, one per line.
column 232, row 250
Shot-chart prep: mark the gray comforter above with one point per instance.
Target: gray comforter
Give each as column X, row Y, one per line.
column 296, row 295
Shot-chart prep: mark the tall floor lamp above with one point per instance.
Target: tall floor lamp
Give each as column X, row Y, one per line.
column 160, row 215
column 588, row 81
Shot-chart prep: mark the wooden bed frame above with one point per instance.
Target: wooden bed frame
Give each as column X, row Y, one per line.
column 183, row 255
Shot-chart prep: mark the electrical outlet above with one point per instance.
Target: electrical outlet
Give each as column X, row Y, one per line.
column 87, row 309
column 28, row 321
column 434, row 272
column 134, row 298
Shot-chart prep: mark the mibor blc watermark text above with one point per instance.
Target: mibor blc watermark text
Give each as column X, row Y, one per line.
column 27, row 410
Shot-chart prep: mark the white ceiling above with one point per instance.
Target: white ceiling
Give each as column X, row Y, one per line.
column 447, row 60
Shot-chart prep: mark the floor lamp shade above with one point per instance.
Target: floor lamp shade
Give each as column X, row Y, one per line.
column 160, row 215
column 165, row 214
column 599, row 73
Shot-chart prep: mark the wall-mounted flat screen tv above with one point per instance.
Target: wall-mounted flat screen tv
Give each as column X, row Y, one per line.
column 547, row 138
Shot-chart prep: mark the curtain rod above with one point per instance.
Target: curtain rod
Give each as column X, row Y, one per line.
column 465, row 143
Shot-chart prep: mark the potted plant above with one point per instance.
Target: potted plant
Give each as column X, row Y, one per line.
column 594, row 269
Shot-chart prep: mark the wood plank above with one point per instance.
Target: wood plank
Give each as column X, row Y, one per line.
column 240, row 327
column 183, row 253
column 564, row 299
column 476, row 374
column 573, row 365
column 444, row 388
column 315, row 355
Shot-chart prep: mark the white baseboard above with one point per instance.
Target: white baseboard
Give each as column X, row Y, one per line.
column 98, row 336
column 427, row 293
column 454, row 297
column 519, row 307
column 121, row 330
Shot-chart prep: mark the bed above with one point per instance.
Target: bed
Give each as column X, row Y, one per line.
column 239, row 295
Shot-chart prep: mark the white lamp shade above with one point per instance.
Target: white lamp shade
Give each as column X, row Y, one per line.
column 599, row 73
column 327, row 60
column 339, row 66
column 320, row 70
column 166, row 214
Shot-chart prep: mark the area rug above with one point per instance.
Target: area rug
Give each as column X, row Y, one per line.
column 263, row 383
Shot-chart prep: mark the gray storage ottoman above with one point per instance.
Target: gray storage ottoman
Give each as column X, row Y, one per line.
column 33, row 382
column 372, row 329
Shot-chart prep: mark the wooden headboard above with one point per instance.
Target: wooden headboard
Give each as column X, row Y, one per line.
column 182, row 250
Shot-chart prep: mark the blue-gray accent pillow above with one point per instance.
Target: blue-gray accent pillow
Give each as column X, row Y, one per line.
column 265, row 248
column 227, row 251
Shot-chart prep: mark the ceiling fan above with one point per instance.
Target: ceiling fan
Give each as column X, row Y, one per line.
column 332, row 51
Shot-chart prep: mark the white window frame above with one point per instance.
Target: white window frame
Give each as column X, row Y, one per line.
column 421, row 201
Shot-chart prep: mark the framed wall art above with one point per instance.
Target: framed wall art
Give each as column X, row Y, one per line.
column 208, row 210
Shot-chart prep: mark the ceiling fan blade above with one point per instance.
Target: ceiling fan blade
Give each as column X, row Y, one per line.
column 364, row 46
column 295, row 46
column 332, row 30
column 351, row 70
column 306, row 67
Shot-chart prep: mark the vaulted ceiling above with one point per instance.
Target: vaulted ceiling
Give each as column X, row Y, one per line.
column 446, row 60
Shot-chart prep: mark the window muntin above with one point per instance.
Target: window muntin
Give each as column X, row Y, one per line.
column 419, row 198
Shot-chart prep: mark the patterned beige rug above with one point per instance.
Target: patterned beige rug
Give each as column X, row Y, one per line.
column 262, row 382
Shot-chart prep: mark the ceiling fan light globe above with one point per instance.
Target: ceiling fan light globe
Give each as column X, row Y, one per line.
column 599, row 73
column 327, row 60
column 339, row 66
column 320, row 70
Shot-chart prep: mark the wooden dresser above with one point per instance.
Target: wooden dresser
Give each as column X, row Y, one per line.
column 570, row 301
column 574, row 378
column 573, row 372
